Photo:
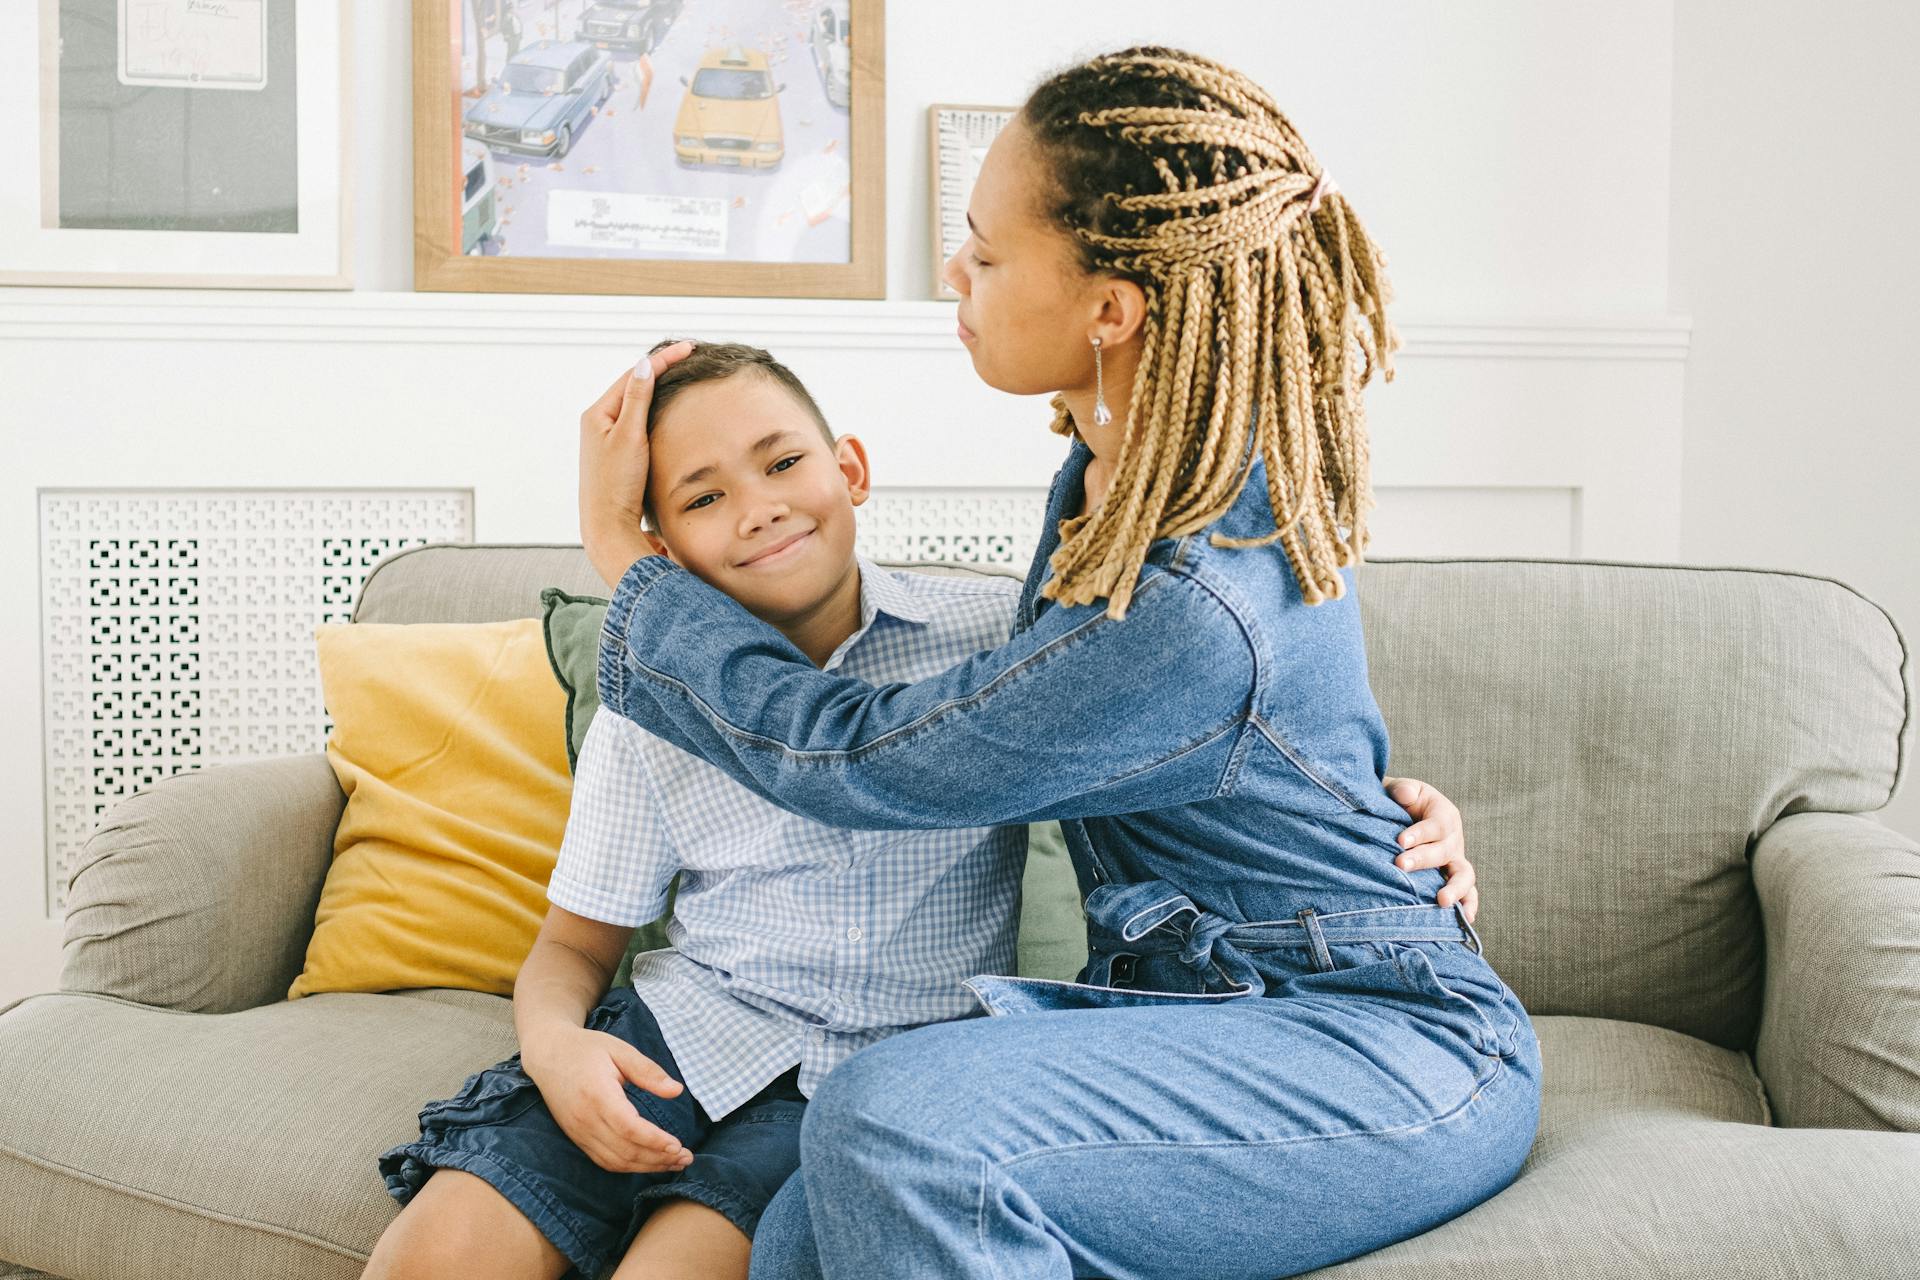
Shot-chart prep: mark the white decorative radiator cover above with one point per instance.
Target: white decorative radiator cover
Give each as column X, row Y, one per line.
column 177, row 625
column 177, row 629
column 982, row 526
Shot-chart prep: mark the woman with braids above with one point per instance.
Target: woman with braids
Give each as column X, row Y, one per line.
column 1282, row 1052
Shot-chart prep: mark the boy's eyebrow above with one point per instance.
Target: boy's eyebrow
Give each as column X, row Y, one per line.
column 761, row 445
column 975, row 229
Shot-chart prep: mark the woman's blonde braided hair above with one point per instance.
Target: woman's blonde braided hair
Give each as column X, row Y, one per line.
column 1265, row 318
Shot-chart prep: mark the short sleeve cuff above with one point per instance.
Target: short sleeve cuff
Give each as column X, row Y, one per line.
column 593, row 904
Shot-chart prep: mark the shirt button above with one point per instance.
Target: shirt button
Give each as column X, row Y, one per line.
column 854, row 934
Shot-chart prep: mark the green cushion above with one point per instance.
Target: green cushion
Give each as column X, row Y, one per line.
column 572, row 625
column 1053, row 928
column 1053, row 937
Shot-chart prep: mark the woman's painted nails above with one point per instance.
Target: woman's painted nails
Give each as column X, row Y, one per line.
column 644, row 369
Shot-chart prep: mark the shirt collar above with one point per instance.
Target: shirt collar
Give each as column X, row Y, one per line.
column 881, row 591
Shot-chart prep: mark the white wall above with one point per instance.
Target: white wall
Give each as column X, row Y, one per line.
column 1795, row 133
column 1512, row 157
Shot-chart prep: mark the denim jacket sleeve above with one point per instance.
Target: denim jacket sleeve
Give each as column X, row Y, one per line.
column 1077, row 716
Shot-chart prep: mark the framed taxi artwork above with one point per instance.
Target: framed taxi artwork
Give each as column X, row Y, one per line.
column 716, row 147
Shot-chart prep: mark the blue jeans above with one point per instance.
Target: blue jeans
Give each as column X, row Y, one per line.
column 1210, row 1137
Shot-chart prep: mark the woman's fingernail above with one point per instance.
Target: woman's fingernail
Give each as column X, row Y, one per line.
column 644, row 369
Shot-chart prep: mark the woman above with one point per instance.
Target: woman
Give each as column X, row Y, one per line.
column 1281, row 1054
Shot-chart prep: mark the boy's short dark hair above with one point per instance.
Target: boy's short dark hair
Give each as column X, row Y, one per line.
column 712, row 361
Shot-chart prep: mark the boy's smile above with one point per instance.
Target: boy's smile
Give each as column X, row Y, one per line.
column 748, row 495
column 776, row 554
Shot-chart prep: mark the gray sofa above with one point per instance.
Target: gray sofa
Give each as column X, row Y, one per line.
column 1666, row 774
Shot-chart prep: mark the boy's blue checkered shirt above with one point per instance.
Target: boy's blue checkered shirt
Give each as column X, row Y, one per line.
column 796, row 942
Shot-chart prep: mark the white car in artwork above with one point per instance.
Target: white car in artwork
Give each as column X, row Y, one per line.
column 832, row 42
column 479, row 203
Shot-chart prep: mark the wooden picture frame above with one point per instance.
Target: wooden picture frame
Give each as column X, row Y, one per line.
column 665, row 222
column 170, row 145
column 957, row 134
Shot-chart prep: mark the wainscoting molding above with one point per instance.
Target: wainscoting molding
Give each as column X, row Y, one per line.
column 1529, row 438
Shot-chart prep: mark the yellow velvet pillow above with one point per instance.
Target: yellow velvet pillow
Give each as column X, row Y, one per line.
column 447, row 740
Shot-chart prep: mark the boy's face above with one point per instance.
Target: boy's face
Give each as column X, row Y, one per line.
column 748, row 495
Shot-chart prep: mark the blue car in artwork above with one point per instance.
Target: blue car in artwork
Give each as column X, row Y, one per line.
column 543, row 99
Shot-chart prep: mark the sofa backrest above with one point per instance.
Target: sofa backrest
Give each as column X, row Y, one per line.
column 1615, row 736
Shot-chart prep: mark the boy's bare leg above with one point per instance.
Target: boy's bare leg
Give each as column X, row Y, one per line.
column 683, row 1240
column 458, row 1226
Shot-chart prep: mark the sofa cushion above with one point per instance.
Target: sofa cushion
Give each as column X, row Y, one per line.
column 572, row 626
column 244, row 1144
column 1652, row 1160
column 234, row 1144
column 1615, row 736
column 447, row 742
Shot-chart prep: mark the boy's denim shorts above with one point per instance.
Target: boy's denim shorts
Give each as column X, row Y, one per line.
column 498, row 1128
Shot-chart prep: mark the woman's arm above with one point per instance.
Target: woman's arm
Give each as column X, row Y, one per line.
column 1078, row 716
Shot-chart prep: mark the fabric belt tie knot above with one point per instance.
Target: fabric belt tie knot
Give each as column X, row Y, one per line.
column 1131, row 912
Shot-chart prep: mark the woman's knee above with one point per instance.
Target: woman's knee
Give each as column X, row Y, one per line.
column 890, row 1096
column 783, row 1247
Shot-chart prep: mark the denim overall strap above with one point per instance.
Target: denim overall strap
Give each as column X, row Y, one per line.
column 1153, row 917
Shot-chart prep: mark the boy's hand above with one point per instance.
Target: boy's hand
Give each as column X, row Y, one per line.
column 579, row 1072
column 613, row 467
column 1435, row 840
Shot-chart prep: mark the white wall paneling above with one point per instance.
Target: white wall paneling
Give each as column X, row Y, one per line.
column 1531, row 439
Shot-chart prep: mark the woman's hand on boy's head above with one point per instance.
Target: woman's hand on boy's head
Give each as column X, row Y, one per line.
column 1435, row 839
column 613, row 466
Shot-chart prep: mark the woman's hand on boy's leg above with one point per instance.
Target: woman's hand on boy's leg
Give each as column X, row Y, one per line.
column 613, row 466
column 1435, row 840
column 580, row 1075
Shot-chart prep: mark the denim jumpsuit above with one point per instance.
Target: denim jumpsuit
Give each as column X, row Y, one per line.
column 1280, row 1054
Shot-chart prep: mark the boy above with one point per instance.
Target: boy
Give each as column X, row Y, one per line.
column 648, row 1127
column 672, row 1109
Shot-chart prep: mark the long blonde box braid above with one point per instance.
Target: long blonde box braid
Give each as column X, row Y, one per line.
column 1263, row 319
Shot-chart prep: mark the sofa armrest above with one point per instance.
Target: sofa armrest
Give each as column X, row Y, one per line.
column 1839, row 1044
column 198, row 894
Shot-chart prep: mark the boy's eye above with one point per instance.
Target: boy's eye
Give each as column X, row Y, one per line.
column 702, row 501
column 784, row 463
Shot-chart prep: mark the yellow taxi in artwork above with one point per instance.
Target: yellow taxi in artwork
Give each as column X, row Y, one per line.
column 730, row 115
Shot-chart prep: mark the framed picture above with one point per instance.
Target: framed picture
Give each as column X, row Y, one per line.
column 721, row 147
column 957, row 141
column 177, row 143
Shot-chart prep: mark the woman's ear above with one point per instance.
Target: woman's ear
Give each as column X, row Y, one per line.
column 1120, row 309
column 851, row 457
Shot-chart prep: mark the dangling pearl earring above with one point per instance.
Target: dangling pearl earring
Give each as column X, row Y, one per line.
column 1101, row 414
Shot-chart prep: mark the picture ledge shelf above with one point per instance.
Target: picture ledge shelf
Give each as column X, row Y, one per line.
column 156, row 315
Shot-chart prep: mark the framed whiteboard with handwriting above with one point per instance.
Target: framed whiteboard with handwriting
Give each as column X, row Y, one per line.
column 958, row 138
